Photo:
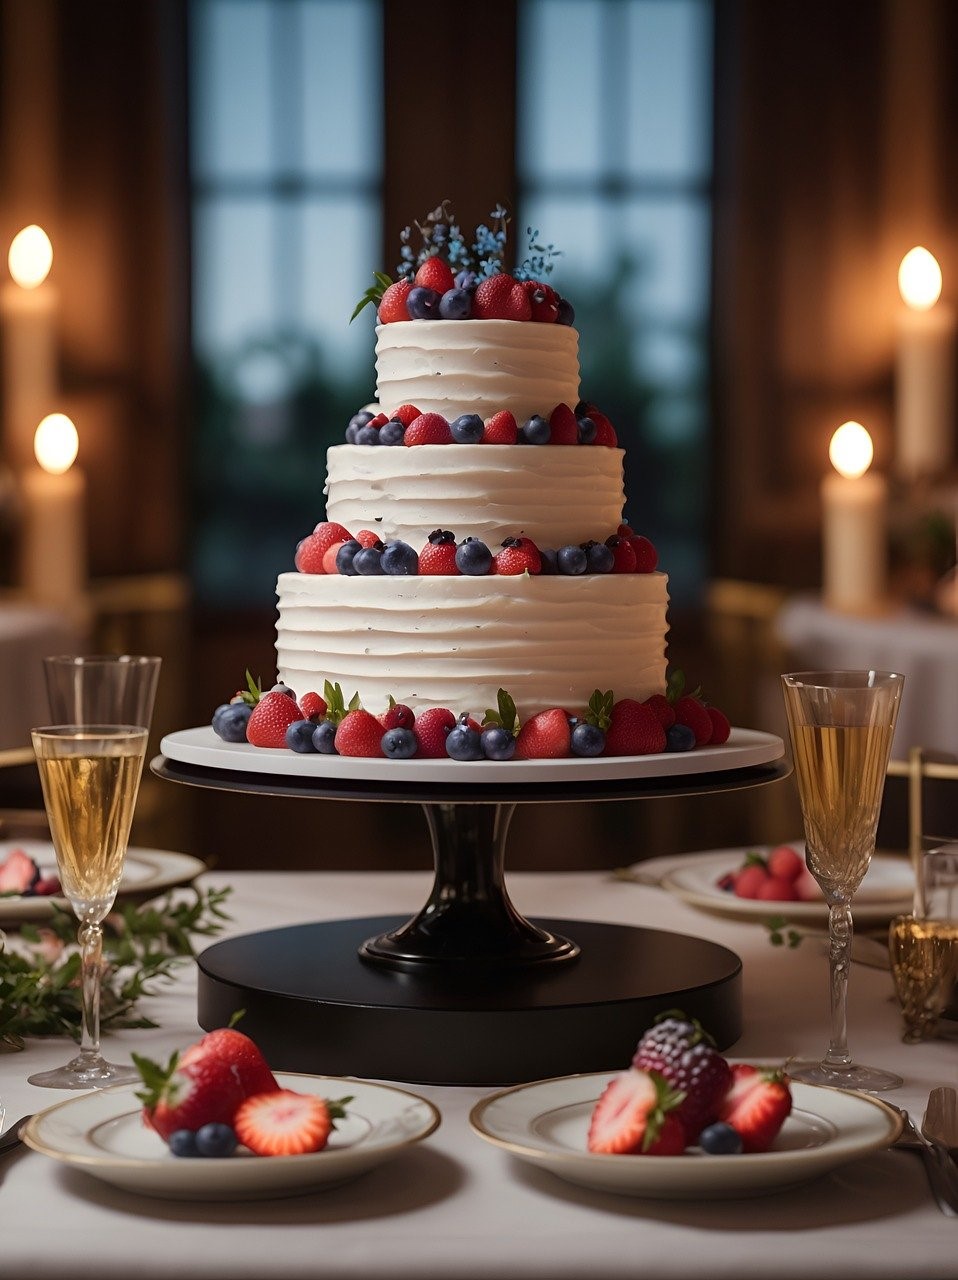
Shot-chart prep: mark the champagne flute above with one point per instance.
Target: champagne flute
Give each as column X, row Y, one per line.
column 90, row 775
column 101, row 688
column 841, row 725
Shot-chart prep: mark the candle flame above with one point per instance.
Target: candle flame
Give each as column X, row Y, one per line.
column 850, row 451
column 919, row 279
column 30, row 257
column 55, row 443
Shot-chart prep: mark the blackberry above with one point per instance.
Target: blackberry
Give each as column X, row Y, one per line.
column 679, row 1049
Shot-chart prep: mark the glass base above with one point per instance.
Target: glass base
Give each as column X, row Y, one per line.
column 854, row 1076
column 86, row 1072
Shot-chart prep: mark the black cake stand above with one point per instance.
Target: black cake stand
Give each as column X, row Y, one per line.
column 468, row 991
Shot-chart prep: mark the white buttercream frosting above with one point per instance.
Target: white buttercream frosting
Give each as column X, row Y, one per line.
column 455, row 641
column 553, row 494
column 477, row 366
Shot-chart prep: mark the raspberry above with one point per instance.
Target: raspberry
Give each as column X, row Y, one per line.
column 681, row 1051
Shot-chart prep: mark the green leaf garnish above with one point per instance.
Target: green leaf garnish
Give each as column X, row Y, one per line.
column 374, row 294
column 503, row 714
column 599, row 712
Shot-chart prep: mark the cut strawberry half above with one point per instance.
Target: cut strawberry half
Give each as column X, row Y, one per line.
column 286, row 1123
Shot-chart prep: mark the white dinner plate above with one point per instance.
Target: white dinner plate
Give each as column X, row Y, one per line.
column 745, row 748
column 887, row 889
column 146, row 873
column 103, row 1134
column 546, row 1124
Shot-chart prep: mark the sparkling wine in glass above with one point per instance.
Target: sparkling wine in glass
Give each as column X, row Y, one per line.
column 841, row 725
column 90, row 775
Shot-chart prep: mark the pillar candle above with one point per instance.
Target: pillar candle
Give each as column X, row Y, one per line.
column 854, row 526
column 924, row 372
column 53, row 540
column 28, row 337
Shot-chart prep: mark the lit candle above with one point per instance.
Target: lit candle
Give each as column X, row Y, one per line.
column 925, row 371
column 28, row 320
column 854, row 523
column 54, row 531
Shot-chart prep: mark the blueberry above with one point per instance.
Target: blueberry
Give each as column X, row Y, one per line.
column 587, row 740
column 473, row 558
column 679, row 737
column 361, row 418
column 497, row 743
column 571, row 560
column 182, row 1142
column 466, row 280
column 215, row 1140
column 422, row 304
column 599, row 558
column 455, row 304
column 467, row 428
column 231, row 724
column 299, row 736
column 399, row 744
column 324, row 735
column 566, row 312
column 368, row 562
column 351, row 433
column 587, row 430
column 392, row 432
column 345, row 556
column 463, row 743
column 549, row 557
column 367, row 435
column 224, row 706
column 399, row 560
column 535, row 431
column 720, row 1139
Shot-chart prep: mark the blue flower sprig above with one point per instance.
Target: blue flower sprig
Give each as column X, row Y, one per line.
column 539, row 259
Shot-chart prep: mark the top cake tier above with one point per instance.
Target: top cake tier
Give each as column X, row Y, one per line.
column 454, row 367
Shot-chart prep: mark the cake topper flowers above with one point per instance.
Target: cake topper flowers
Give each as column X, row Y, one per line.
column 444, row 277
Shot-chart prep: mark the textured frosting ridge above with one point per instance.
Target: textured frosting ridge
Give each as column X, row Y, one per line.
column 553, row 494
column 454, row 641
column 477, row 366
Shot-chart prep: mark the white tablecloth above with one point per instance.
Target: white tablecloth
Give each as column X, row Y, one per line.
column 454, row 1206
column 921, row 646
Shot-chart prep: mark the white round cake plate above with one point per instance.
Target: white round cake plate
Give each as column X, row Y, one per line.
column 744, row 749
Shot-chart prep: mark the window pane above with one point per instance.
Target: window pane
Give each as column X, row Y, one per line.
column 342, row 103
column 337, row 234
column 233, row 294
column 230, row 86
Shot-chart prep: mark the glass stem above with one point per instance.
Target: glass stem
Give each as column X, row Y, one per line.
column 839, row 959
column 91, row 952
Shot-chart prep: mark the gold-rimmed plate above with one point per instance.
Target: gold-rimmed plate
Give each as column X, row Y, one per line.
column 146, row 873
column 546, row 1123
column 103, row 1134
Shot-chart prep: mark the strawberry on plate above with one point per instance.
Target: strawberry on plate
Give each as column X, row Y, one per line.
column 286, row 1123
column 634, row 730
column 239, row 1052
column 756, row 1105
column 545, row 736
column 205, row 1090
column 636, row 1115
column 359, row 733
column 270, row 718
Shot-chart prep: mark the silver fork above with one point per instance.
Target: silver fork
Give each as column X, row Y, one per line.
column 12, row 1138
column 942, row 1174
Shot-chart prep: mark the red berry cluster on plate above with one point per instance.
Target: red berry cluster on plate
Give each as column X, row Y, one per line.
column 21, row 877
column 330, row 725
column 585, row 424
column 220, row 1095
column 332, row 549
column 780, row 875
column 680, row 1094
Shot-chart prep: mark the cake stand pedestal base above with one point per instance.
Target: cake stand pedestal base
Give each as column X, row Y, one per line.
column 312, row 1004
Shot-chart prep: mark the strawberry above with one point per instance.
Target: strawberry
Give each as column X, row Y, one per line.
column 392, row 305
column 359, row 734
column 239, row 1052
column 205, row 1090
column 750, row 878
column 397, row 716
column 270, row 719
column 367, row 538
column 721, row 728
column 806, row 886
column 18, row 873
column 501, row 298
column 380, row 420
column 604, row 430
column 785, row 863
column 756, row 1105
column 681, row 1051
column 623, row 557
column 646, row 556
column 435, row 273
column 405, row 414
column 438, row 556
column 329, row 559
column 659, row 704
column 625, row 531
column 777, row 889
column 634, row 730
column 313, row 707
column 501, row 428
column 545, row 736
column 636, row 1116
column 544, row 301
column 518, row 555
column 286, row 1123
column 428, row 428
column 690, row 711
column 432, row 729
column 312, row 549
column 563, row 426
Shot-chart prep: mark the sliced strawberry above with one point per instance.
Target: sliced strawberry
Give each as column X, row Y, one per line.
column 286, row 1123
column 756, row 1105
column 545, row 736
column 392, row 305
column 635, row 1116
column 564, row 429
column 359, row 734
column 501, row 428
column 270, row 719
